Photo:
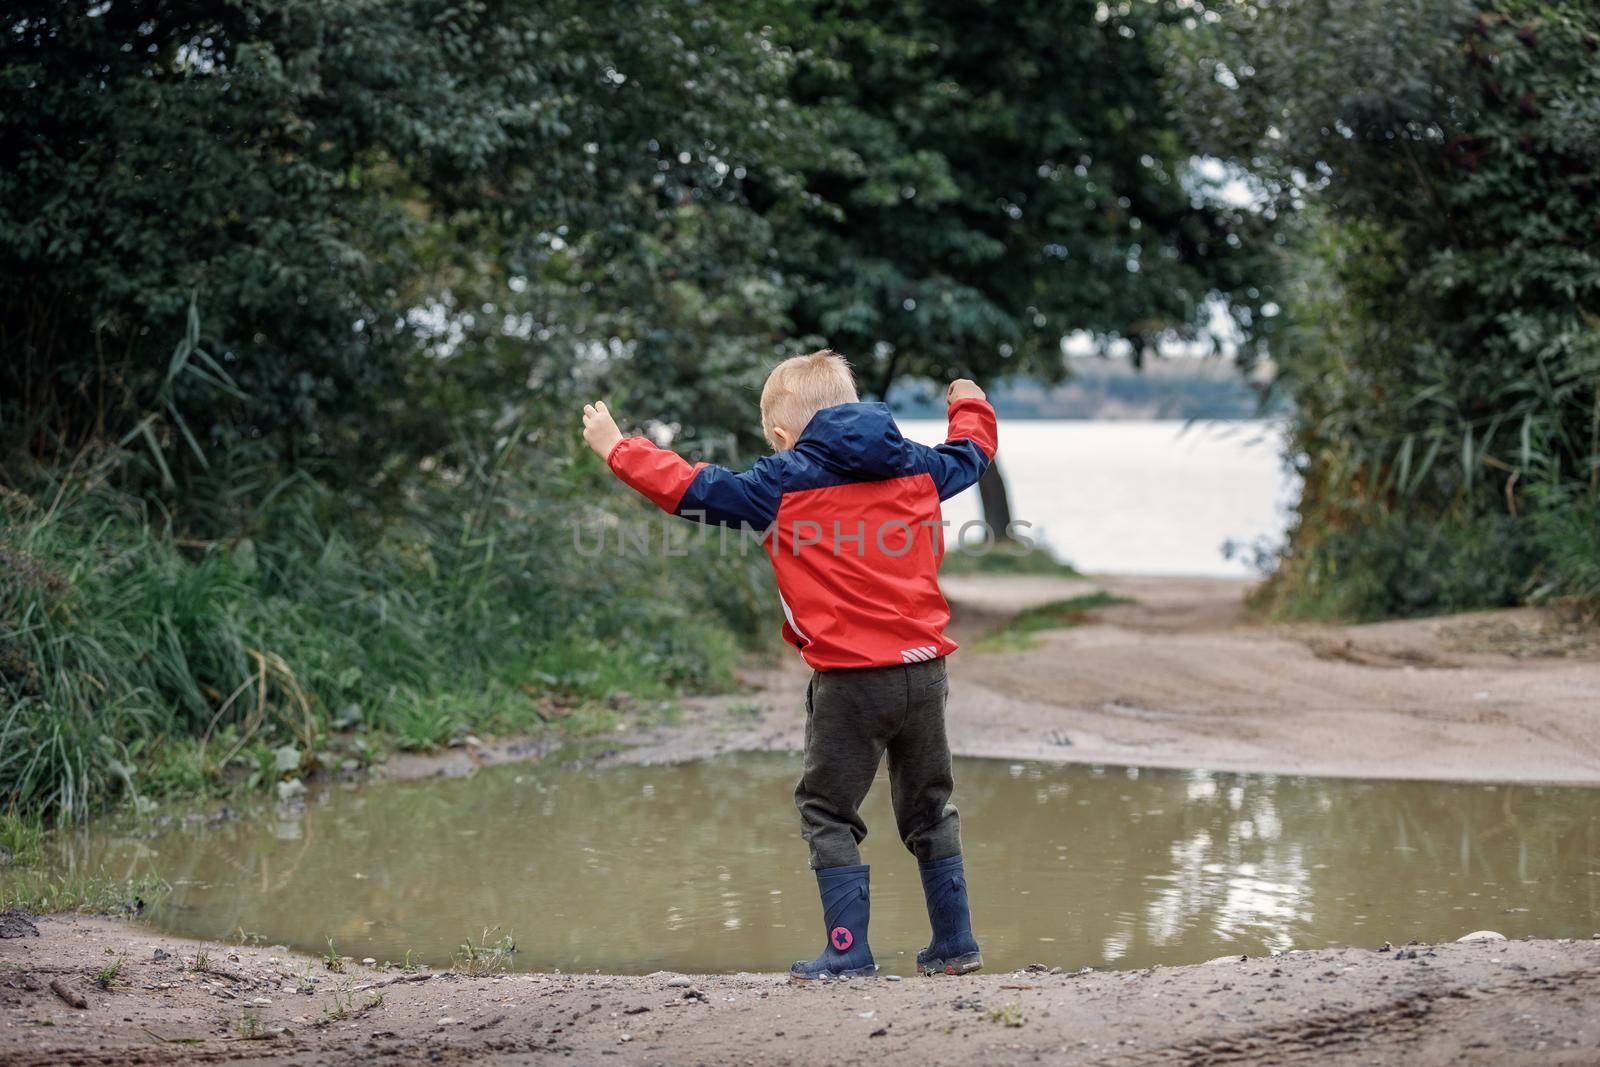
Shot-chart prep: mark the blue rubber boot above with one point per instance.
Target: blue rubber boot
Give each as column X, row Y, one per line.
column 953, row 949
column 846, row 908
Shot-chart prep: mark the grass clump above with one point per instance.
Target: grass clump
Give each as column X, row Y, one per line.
column 110, row 972
column 1008, row 559
column 1007, row 1015
column 143, row 657
column 343, row 1005
column 1017, row 633
column 89, row 894
column 484, row 956
column 20, row 838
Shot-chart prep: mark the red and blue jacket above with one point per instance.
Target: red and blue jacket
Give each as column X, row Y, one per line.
column 852, row 525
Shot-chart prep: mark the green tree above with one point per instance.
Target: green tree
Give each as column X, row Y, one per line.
column 336, row 207
column 997, row 176
column 1443, row 353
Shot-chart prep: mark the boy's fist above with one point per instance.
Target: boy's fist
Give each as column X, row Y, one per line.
column 963, row 389
column 600, row 429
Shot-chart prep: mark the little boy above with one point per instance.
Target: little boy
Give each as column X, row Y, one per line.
column 851, row 510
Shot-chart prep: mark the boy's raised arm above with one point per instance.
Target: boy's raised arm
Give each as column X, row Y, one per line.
column 702, row 492
column 970, row 443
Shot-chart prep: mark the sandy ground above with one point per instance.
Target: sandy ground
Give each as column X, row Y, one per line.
column 1177, row 678
column 1497, row 1003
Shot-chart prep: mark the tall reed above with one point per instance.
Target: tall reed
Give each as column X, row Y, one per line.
column 137, row 659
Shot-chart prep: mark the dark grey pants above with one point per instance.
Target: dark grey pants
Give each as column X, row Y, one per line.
column 852, row 718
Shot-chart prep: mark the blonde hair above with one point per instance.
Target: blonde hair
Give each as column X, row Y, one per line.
column 800, row 387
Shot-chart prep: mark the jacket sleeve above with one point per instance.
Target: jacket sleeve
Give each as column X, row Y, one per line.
column 968, row 449
column 702, row 492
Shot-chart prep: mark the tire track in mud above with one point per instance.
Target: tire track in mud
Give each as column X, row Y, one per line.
column 355, row 1051
column 1366, row 1033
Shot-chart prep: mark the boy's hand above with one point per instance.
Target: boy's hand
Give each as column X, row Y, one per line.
column 600, row 429
column 963, row 389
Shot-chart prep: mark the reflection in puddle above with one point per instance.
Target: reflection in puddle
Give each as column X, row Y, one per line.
column 700, row 867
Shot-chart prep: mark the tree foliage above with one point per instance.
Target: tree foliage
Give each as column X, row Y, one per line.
column 334, row 202
column 997, row 176
column 269, row 228
column 1443, row 351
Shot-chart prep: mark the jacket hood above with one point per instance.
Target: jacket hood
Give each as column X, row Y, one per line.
column 856, row 439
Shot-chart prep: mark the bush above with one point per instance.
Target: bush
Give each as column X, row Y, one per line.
column 1399, row 566
column 1440, row 164
column 137, row 661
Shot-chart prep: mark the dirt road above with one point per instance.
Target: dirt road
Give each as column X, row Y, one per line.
column 1523, row 1002
column 1179, row 678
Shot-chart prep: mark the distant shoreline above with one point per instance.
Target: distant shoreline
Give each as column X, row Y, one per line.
column 916, row 415
column 1100, row 389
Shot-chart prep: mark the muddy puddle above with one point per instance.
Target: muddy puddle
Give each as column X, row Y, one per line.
column 700, row 867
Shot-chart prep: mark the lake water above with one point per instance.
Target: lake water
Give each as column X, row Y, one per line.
column 699, row 867
column 1139, row 497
